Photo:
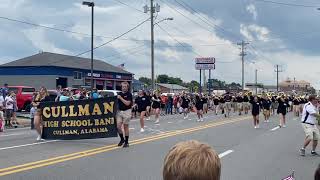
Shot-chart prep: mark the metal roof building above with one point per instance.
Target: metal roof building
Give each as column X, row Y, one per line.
column 51, row 69
column 171, row 88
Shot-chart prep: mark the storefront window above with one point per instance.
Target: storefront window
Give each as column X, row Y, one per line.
column 77, row 75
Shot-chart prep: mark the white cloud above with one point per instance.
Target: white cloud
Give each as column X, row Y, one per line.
column 251, row 8
column 254, row 32
column 39, row 40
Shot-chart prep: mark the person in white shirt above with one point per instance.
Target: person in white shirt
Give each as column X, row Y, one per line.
column 9, row 108
column 1, row 113
column 309, row 121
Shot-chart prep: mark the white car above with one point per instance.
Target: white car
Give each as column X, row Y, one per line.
column 108, row 93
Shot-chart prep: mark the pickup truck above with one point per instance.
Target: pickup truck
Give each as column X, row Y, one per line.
column 24, row 96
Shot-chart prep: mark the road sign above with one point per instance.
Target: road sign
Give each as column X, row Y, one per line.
column 206, row 60
column 205, row 63
column 205, row 66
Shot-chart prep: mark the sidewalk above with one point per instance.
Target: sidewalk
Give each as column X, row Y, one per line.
column 23, row 122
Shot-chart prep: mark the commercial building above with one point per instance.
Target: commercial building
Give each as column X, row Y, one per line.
column 295, row 85
column 171, row 88
column 50, row 70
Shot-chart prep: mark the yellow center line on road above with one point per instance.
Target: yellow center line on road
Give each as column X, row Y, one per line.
column 77, row 155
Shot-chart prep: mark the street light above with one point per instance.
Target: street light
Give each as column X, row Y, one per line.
column 91, row 4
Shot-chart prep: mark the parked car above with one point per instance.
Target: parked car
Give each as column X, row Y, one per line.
column 24, row 96
column 108, row 93
column 52, row 95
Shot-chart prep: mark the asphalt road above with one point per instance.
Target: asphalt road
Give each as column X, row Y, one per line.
column 246, row 153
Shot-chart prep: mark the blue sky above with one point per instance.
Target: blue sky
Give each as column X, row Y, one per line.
column 278, row 34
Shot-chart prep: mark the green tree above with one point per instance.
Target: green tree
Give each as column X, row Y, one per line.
column 145, row 80
column 163, row 78
column 173, row 80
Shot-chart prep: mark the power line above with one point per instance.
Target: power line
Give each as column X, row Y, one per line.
column 204, row 19
column 181, row 44
column 195, row 22
column 62, row 30
column 174, row 27
column 115, row 38
column 287, row 4
column 132, row 7
column 176, row 39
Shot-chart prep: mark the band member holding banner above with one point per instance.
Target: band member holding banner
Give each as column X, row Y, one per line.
column 42, row 96
column 124, row 114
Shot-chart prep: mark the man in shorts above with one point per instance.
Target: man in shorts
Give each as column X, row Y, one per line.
column 124, row 114
column 308, row 121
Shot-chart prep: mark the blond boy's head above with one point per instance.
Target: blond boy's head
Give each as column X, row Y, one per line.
column 191, row 160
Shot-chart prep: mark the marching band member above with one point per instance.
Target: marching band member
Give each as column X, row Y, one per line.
column 216, row 101
column 282, row 111
column 296, row 106
column 239, row 103
column 234, row 103
column 199, row 102
column 156, row 104
column 255, row 111
column 266, row 104
column 246, row 104
column 227, row 99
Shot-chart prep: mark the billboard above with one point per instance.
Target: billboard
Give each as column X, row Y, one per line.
column 205, row 63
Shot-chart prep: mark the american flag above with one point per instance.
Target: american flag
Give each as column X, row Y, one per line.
column 291, row 177
column 121, row 66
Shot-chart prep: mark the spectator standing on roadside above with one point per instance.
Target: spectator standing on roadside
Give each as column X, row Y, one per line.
column 9, row 108
column 191, row 160
column 5, row 91
column 169, row 105
column 59, row 92
column 64, row 96
column 33, row 109
column 94, row 94
column 1, row 113
column 15, row 109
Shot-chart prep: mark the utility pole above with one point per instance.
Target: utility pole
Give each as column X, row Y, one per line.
column 242, row 54
column 153, row 9
column 204, row 82
column 200, row 88
column 209, row 82
column 256, row 79
column 277, row 70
